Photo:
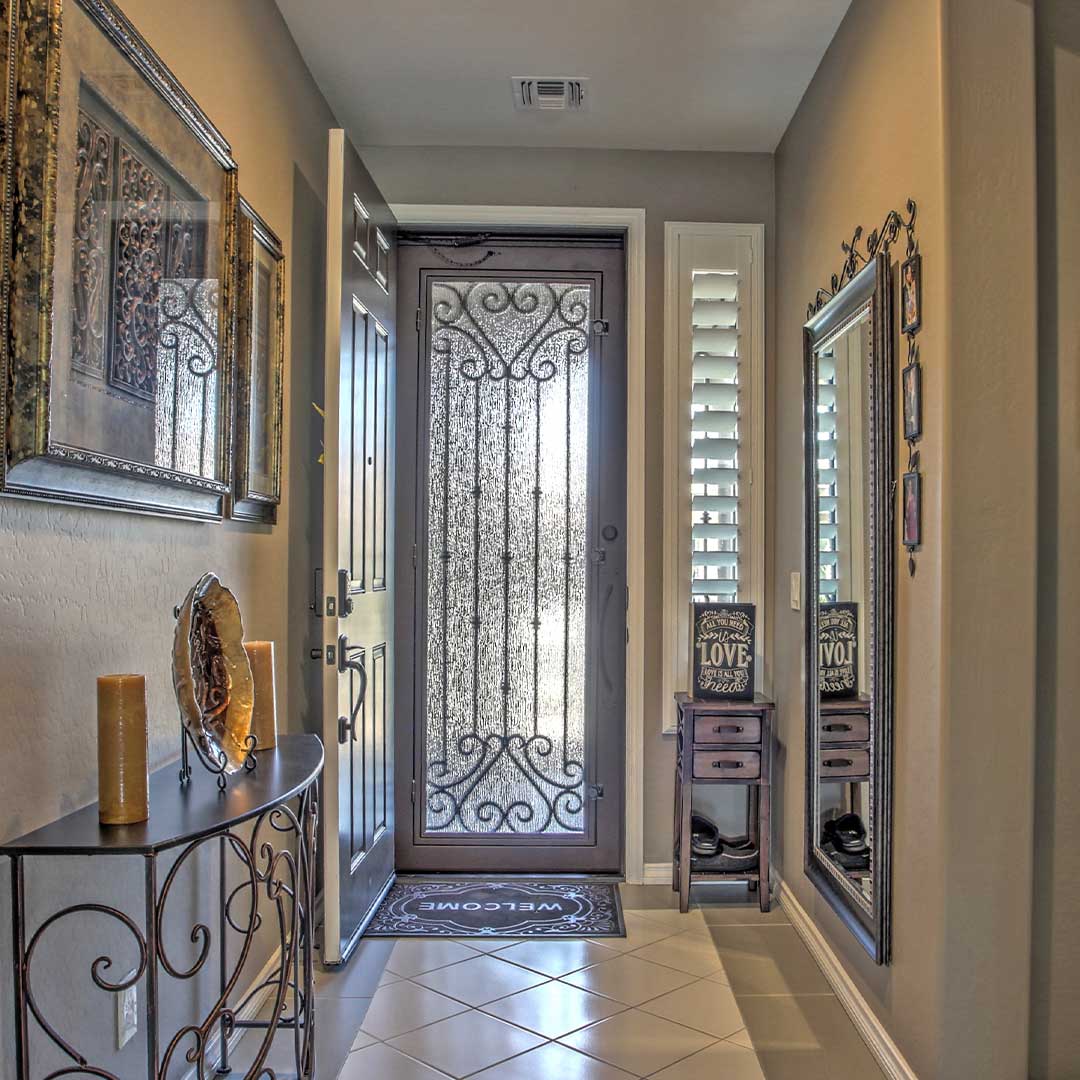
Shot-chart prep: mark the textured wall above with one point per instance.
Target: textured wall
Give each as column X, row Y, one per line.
column 916, row 98
column 86, row 592
column 671, row 187
column 1055, row 971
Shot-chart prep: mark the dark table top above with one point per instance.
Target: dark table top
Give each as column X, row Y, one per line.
column 178, row 814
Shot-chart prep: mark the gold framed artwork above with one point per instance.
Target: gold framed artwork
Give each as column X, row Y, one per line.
column 260, row 369
column 118, row 270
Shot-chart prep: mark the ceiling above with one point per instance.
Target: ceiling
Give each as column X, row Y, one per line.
column 665, row 74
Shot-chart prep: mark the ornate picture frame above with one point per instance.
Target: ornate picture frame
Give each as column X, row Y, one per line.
column 259, row 366
column 118, row 270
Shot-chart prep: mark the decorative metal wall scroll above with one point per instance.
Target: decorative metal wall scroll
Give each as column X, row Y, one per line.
column 118, row 266
column 882, row 240
column 260, row 370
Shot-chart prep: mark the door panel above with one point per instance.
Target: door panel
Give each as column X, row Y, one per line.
column 358, row 506
column 514, row 608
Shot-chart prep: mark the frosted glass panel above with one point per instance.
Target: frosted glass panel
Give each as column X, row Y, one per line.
column 506, row 557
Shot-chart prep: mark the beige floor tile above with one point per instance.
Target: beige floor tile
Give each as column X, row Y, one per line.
column 694, row 952
column 705, row 1006
column 638, row 1042
column 553, row 1062
column 414, row 956
column 465, row 1043
column 557, row 957
column 721, row 1061
column 639, row 932
column 640, row 897
column 486, row 944
column 361, row 976
column 719, row 977
column 673, row 918
column 767, row 960
column 480, row 979
column 384, row 1062
column 363, row 1039
column 742, row 1038
column 629, row 979
column 743, row 914
column 405, row 1006
column 806, row 1038
column 554, row 1009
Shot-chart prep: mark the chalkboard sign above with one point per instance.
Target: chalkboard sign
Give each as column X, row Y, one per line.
column 722, row 651
column 838, row 650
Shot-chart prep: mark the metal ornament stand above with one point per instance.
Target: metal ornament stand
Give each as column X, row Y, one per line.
column 215, row 766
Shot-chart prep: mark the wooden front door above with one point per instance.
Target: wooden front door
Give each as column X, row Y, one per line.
column 358, row 551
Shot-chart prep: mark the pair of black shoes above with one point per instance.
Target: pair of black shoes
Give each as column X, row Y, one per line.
column 710, row 849
column 844, row 840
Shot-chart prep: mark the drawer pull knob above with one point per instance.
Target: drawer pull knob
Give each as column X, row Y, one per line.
column 719, row 729
column 838, row 763
column 727, row 764
column 837, row 727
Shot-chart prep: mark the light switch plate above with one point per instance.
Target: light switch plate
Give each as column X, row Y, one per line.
column 796, row 590
column 127, row 1012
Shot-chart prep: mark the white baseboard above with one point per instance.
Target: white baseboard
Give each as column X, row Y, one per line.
column 249, row 1012
column 656, row 873
column 866, row 1022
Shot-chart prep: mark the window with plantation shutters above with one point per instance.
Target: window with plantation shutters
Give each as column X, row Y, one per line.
column 713, row 431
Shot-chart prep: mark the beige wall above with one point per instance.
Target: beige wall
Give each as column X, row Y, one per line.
column 84, row 592
column 1055, row 969
column 915, row 98
column 670, row 187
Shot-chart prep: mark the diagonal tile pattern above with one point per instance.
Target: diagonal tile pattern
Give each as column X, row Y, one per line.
column 720, row 993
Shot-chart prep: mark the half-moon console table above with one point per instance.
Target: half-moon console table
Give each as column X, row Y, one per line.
column 262, row 828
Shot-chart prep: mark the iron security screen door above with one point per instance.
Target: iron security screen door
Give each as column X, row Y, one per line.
column 518, row 585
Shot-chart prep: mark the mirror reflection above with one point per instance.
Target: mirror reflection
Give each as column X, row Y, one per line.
column 844, row 790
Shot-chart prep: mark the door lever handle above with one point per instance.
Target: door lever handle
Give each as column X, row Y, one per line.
column 347, row 725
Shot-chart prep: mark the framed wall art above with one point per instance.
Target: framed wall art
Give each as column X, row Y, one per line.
column 912, row 509
column 911, row 294
column 912, row 386
column 260, row 369
column 118, row 271
column 722, row 651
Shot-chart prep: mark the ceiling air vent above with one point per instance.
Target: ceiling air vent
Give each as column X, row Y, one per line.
column 532, row 93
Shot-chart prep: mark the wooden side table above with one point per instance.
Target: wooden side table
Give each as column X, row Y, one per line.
column 723, row 742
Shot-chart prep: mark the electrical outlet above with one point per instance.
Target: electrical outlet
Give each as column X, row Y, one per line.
column 796, row 590
column 127, row 1012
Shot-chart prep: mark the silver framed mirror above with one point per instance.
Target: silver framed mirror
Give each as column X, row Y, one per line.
column 849, row 585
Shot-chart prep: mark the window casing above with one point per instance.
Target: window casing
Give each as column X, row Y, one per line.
column 713, row 432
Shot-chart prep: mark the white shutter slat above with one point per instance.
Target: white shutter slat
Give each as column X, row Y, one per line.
column 716, row 423
column 717, row 368
column 717, row 395
column 708, row 286
column 826, row 371
column 715, row 313
column 715, row 341
column 715, row 530
column 715, row 475
column 727, row 559
column 715, row 504
column 715, row 449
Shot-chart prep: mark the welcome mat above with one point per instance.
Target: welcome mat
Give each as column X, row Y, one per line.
column 499, row 909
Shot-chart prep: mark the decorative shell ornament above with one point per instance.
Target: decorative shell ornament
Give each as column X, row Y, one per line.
column 212, row 676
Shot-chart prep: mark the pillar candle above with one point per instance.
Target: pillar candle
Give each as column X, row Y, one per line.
column 123, row 774
column 264, row 713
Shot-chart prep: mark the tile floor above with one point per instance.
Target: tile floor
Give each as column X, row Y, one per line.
column 721, row 993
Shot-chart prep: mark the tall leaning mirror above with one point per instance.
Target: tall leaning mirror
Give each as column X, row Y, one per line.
column 849, row 470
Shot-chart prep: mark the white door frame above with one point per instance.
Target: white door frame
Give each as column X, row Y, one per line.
column 633, row 221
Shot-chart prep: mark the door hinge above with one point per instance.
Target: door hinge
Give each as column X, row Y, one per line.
column 419, row 319
column 594, row 791
column 414, row 555
column 601, row 327
column 412, row 792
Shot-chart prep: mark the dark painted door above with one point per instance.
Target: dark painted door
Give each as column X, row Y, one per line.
column 513, row 606
column 358, row 555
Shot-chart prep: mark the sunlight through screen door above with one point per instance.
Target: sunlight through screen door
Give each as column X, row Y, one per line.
column 507, row 557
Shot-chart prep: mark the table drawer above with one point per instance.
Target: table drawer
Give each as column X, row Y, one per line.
column 841, row 764
column 844, row 727
column 727, row 764
column 727, row 729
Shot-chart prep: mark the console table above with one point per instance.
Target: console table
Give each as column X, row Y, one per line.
column 723, row 742
column 272, row 858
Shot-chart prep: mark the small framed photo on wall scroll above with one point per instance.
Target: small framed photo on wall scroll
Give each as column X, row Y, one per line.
column 912, row 510
column 912, row 386
column 722, row 651
column 911, row 294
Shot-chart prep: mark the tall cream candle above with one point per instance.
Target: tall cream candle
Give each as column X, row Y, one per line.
column 264, row 713
column 123, row 773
